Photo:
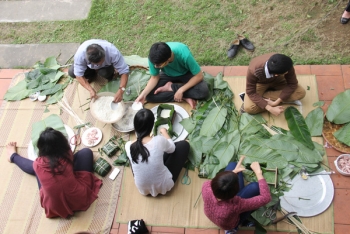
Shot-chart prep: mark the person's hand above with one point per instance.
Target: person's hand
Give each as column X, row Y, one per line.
column 164, row 133
column 141, row 99
column 118, row 96
column 93, row 94
column 270, row 102
column 255, row 166
column 275, row 110
column 178, row 96
column 239, row 167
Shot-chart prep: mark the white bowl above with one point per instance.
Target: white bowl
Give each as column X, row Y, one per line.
column 336, row 162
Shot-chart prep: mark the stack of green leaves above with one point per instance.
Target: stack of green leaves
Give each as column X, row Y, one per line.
column 45, row 78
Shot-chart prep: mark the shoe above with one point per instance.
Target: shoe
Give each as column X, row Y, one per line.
column 248, row 223
column 137, row 227
column 232, row 51
column 344, row 20
column 246, row 43
column 232, row 231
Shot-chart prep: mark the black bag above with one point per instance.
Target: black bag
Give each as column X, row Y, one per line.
column 137, row 227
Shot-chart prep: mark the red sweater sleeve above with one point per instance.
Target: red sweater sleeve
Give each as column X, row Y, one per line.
column 257, row 201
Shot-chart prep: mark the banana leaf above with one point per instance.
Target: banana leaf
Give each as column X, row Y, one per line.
column 213, row 122
column 343, row 134
column 52, row 90
column 53, row 121
column 219, row 83
column 55, row 98
column 339, row 110
column 135, row 60
column 298, row 127
column 136, row 83
column 18, row 92
column 32, row 75
column 314, row 121
column 51, row 63
column 318, row 104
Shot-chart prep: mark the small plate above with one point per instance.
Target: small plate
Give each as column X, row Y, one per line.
column 308, row 197
column 85, row 141
column 180, row 114
column 31, row 153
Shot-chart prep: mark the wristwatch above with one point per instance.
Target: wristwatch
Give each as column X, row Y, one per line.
column 122, row 88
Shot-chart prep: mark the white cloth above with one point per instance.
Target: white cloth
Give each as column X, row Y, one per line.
column 153, row 177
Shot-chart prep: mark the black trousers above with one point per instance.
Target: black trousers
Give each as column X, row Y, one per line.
column 197, row 92
column 90, row 74
column 176, row 160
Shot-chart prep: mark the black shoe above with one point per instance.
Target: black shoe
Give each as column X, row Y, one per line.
column 137, row 227
column 344, row 20
column 246, row 43
column 232, row 51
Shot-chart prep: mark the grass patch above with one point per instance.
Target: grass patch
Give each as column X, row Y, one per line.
column 206, row 26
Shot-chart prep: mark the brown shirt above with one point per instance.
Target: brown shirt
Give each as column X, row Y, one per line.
column 256, row 74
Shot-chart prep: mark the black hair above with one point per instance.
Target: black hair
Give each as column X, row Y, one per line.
column 159, row 53
column 95, row 53
column 279, row 64
column 143, row 124
column 53, row 145
column 225, row 185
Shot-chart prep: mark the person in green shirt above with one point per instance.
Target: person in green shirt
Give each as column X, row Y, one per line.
column 175, row 75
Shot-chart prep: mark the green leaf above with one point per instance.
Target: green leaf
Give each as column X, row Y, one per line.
column 136, row 83
column 339, row 110
column 18, row 92
column 298, row 127
column 213, row 122
column 32, row 84
column 188, row 123
column 52, row 90
column 55, row 98
column 32, row 75
column 219, row 83
column 51, row 63
column 53, row 121
column 314, row 121
column 135, row 60
column 318, row 104
column 195, row 155
column 343, row 134
column 43, row 87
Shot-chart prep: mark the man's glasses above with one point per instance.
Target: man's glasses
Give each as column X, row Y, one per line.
column 161, row 65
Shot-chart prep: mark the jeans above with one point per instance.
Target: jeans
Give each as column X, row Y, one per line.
column 249, row 191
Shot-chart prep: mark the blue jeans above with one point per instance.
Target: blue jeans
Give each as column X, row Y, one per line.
column 249, row 191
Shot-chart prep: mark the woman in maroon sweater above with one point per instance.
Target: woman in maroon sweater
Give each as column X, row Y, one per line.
column 227, row 203
column 66, row 182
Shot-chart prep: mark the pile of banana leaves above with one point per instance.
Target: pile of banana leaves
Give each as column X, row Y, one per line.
column 45, row 78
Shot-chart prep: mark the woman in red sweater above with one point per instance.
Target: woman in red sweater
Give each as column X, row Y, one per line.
column 227, row 203
column 66, row 182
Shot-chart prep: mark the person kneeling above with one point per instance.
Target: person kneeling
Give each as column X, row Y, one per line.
column 227, row 203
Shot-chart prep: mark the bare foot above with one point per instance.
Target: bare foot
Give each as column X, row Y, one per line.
column 165, row 88
column 346, row 14
column 191, row 101
column 11, row 148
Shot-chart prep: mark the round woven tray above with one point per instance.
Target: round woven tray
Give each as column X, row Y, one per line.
column 328, row 129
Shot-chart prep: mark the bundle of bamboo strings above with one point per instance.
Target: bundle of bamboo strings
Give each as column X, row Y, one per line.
column 297, row 223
